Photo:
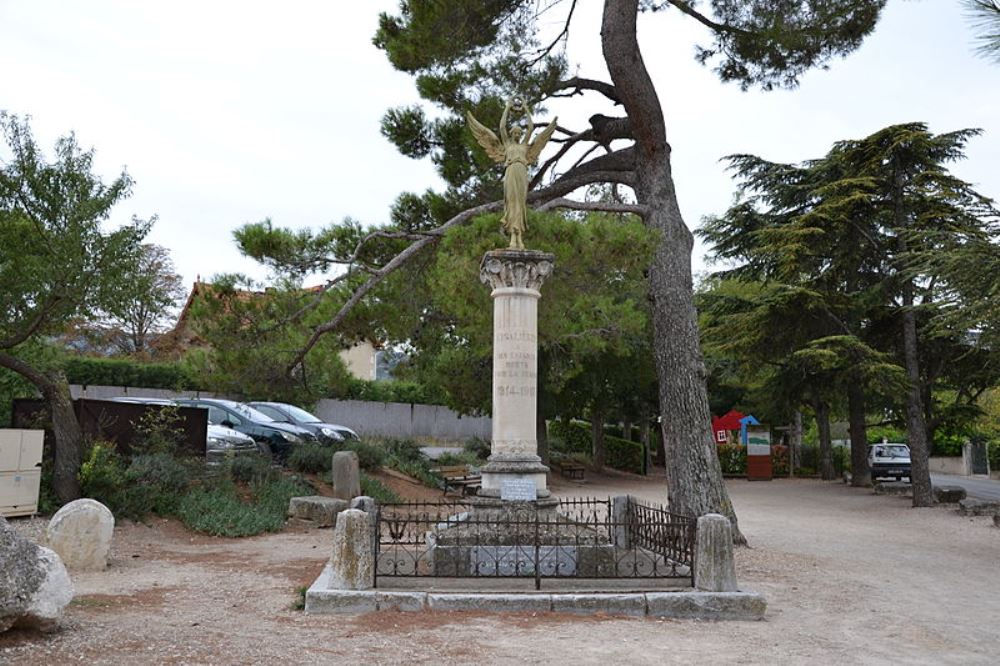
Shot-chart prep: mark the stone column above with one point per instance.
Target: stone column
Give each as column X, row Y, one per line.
column 515, row 277
column 714, row 566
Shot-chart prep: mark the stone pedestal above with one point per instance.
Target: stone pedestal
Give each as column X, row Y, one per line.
column 514, row 471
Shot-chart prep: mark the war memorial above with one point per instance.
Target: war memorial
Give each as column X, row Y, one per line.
column 514, row 546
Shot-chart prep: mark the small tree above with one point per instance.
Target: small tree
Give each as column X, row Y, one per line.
column 147, row 301
column 57, row 263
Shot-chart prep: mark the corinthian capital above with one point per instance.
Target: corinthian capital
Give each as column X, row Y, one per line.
column 525, row 269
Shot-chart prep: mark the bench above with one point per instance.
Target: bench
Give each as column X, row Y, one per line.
column 458, row 478
column 569, row 468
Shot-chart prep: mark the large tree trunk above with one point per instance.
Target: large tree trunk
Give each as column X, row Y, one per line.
column 916, row 427
column 65, row 428
column 694, row 475
column 598, row 448
column 825, row 442
column 860, row 472
column 916, row 431
column 795, row 444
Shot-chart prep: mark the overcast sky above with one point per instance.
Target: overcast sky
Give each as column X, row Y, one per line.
column 226, row 113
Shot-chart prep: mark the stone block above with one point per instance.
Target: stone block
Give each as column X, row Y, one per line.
column 80, row 532
column 34, row 584
column 401, row 601
column 978, row 507
column 363, row 503
column 895, row 488
column 949, row 494
column 706, row 605
column 326, row 602
column 613, row 604
column 346, row 475
column 493, row 603
column 715, row 568
column 353, row 560
column 320, row 510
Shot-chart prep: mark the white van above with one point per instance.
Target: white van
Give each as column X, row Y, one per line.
column 889, row 459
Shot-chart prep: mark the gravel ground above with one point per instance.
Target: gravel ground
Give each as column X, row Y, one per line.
column 850, row 578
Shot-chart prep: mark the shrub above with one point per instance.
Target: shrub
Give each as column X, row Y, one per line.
column 249, row 469
column 404, row 450
column 311, row 458
column 370, row 456
column 625, row 455
column 993, row 453
column 377, row 490
column 123, row 372
column 448, row 459
column 575, row 437
column 732, row 458
column 947, row 444
column 890, row 434
column 155, row 484
column 102, row 474
column 478, row 447
column 392, row 391
column 419, row 470
column 159, row 430
column 218, row 510
column 779, row 460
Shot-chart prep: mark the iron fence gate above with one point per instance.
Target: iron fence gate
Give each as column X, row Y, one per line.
column 585, row 538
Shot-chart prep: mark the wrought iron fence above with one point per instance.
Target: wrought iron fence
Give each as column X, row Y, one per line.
column 585, row 538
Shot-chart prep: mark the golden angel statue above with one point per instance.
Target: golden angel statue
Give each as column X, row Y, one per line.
column 515, row 152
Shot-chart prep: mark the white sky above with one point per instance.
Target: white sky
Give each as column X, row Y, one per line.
column 226, row 113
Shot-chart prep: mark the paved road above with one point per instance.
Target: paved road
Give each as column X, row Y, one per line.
column 986, row 489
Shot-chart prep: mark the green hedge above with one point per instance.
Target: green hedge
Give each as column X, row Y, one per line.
column 621, row 453
column 390, row 391
column 575, row 436
column 123, row 372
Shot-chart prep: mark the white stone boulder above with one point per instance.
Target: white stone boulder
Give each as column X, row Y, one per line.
column 80, row 533
column 34, row 585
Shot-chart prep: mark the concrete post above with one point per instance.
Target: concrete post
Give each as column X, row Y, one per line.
column 353, row 559
column 620, row 519
column 346, row 475
column 715, row 568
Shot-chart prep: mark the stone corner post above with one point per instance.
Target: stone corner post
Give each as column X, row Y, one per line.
column 352, row 561
column 714, row 566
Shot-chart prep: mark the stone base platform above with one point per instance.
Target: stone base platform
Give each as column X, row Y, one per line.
column 690, row 604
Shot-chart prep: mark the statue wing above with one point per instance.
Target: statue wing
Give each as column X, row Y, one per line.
column 487, row 139
column 536, row 146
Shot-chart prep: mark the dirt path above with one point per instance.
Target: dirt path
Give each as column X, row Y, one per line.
column 850, row 578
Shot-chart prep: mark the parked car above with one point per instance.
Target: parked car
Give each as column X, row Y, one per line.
column 275, row 438
column 220, row 442
column 889, row 460
column 326, row 432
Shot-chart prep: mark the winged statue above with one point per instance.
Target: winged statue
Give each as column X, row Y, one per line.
column 515, row 151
